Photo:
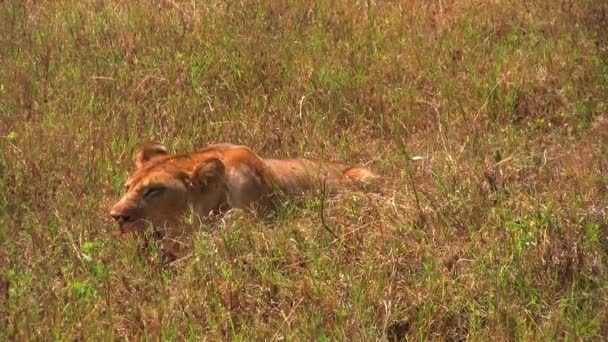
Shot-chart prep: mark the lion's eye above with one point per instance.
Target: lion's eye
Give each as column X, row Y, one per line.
column 153, row 191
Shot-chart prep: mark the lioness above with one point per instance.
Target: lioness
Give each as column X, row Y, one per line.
column 221, row 176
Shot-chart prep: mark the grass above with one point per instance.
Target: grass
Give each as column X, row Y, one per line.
column 485, row 119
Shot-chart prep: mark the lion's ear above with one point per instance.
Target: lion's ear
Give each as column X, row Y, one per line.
column 212, row 170
column 149, row 151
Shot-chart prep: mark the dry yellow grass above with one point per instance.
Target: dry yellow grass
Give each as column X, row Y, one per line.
column 487, row 119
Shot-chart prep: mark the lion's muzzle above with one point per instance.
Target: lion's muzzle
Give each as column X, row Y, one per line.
column 121, row 214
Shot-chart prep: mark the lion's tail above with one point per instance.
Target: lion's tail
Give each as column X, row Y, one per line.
column 360, row 174
column 295, row 175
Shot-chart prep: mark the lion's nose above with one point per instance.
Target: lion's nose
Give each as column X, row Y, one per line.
column 119, row 216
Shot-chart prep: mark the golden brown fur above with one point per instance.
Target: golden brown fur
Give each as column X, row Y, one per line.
column 166, row 187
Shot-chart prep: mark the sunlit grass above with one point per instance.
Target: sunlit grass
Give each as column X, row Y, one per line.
column 487, row 121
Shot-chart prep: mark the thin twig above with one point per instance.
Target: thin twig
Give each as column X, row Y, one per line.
column 413, row 184
column 105, row 78
column 322, row 211
column 411, row 179
column 286, row 318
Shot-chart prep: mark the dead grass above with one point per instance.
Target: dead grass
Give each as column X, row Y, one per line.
column 487, row 120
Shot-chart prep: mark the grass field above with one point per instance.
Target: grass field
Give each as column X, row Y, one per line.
column 487, row 119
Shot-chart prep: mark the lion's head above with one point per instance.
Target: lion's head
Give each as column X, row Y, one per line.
column 166, row 187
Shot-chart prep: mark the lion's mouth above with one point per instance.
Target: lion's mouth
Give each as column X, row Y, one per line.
column 125, row 228
column 131, row 226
